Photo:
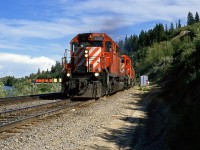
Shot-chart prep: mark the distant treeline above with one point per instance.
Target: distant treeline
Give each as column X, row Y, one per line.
column 55, row 72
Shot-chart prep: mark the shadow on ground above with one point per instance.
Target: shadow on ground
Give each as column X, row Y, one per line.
column 146, row 133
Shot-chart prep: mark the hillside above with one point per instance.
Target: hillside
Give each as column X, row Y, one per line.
column 174, row 64
column 158, row 58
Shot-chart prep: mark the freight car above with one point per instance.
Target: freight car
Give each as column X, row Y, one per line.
column 47, row 80
column 95, row 67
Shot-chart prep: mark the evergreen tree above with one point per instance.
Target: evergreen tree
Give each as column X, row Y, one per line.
column 131, row 42
column 167, row 33
column 196, row 17
column 127, row 45
column 166, row 28
column 159, row 32
column 179, row 23
column 121, row 45
column 135, row 42
column 190, row 19
column 32, row 76
column 38, row 71
column 9, row 81
column 171, row 27
column 151, row 36
column 56, row 70
column 142, row 38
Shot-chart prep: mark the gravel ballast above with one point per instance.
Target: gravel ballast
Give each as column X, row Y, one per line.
column 107, row 123
column 7, row 107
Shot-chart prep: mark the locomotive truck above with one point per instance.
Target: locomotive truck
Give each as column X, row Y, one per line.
column 94, row 67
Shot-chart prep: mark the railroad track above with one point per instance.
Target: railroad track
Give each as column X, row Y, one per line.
column 13, row 118
column 19, row 99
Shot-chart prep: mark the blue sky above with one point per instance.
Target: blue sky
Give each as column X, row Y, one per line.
column 35, row 33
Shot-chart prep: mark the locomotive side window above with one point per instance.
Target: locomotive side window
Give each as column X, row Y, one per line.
column 122, row 60
column 74, row 44
column 108, row 46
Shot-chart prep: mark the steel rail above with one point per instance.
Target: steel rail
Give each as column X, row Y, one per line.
column 14, row 124
column 33, row 117
column 30, row 108
column 8, row 100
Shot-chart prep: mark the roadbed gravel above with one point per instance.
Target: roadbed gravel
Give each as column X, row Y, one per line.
column 108, row 123
column 7, row 107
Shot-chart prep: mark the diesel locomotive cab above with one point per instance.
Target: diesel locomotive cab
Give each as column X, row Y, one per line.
column 86, row 53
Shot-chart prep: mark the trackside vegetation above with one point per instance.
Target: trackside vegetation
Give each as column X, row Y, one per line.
column 24, row 87
column 182, row 94
column 27, row 86
column 172, row 60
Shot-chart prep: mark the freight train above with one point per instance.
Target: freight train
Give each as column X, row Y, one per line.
column 94, row 66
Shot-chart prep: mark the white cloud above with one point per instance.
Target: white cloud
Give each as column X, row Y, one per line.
column 33, row 29
column 141, row 11
column 53, row 49
column 83, row 16
column 22, row 65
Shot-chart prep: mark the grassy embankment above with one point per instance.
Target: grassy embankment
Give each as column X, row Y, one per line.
column 175, row 64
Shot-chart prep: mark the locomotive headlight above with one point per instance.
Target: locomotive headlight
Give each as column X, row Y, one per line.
column 86, row 55
column 68, row 74
column 96, row 74
column 86, row 51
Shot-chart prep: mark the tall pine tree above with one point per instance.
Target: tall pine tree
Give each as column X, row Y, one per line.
column 171, row 29
column 121, row 45
column 159, row 32
column 190, row 19
column 142, row 38
column 127, row 46
column 196, row 17
column 179, row 23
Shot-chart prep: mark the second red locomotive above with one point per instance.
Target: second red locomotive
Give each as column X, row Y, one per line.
column 95, row 67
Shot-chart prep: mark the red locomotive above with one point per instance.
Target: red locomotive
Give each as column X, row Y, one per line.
column 95, row 67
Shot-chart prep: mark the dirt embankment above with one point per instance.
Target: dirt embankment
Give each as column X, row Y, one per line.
column 130, row 119
column 152, row 134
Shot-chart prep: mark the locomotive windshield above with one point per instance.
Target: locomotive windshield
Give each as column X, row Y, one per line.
column 91, row 44
column 90, row 40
